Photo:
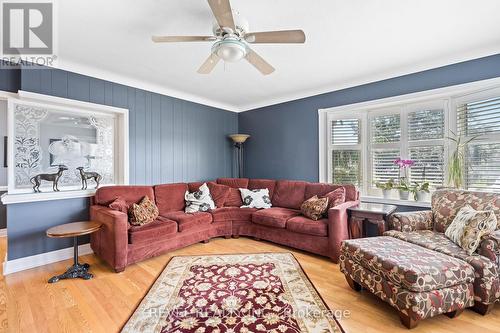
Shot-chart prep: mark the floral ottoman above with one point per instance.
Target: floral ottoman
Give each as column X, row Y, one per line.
column 418, row 282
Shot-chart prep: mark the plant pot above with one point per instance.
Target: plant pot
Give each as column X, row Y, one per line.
column 421, row 196
column 403, row 195
column 386, row 193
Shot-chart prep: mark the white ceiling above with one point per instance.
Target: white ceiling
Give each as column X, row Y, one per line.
column 349, row 42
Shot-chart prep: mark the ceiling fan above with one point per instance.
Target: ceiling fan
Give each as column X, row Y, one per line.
column 232, row 39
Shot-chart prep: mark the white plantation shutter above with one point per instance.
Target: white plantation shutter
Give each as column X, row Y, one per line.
column 483, row 167
column 345, row 131
column 425, row 125
column 346, row 167
column 481, row 119
column 385, row 147
column 432, row 159
column 345, row 151
column 386, row 128
column 426, row 131
column 383, row 167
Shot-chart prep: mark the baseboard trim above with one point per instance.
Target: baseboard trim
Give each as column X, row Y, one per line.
column 3, row 232
column 21, row 264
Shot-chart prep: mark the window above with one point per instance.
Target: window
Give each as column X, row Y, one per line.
column 415, row 132
column 345, row 151
column 479, row 119
column 365, row 139
column 426, row 143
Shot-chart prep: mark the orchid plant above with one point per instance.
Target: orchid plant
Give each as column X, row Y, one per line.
column 403, row 166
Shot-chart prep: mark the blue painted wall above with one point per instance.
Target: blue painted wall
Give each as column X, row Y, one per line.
column 284, row 142
column 171, row 140
column 10, row 77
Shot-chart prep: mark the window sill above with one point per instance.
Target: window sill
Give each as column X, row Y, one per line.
column 8, row 199
column 399, row 202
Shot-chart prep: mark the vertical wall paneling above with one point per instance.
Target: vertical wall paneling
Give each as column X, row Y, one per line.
column 171, row 140
column 284, row 141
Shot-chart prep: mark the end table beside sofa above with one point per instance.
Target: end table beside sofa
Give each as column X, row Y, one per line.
column 419, row 271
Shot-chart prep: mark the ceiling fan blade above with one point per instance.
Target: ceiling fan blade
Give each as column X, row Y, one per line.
column 209, row 64
column 258, row 62
column 176, row 39
column 284, row 36
column 223, row 13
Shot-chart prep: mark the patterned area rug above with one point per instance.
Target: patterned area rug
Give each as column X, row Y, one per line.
column 241, row 293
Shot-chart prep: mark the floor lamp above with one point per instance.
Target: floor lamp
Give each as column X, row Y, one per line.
column 238, row 140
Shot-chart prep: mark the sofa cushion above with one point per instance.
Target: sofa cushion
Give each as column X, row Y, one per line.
column 131, row 194
column 274, row 217
column 234, row 182
column 218, row 192
column 255, row 198
column 199, row 201
column 289, row 194
column 335, row 197
column 407, row 265
column 170, row 197
column 153, row 231
column 303, row 225
column 469, row 227
column 143, row 213
column 447, row 203
column 188, row 221
column 320, row 189
column 234, row 198
column 314, row 208
column 256, row 184
column 233, row 214
column 120, row 205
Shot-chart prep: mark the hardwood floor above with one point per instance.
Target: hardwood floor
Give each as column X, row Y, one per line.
column 104, row 303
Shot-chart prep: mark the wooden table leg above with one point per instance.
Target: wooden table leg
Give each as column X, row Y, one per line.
column 381, row 226
column 356, row 227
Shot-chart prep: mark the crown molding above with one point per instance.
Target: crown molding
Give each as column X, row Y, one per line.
column 106, row 75
column 391, row 74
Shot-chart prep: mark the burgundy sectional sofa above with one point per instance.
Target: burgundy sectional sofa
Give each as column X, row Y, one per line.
column 121, row 244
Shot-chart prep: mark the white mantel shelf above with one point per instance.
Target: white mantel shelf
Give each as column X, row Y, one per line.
column 8, row 199
column 391, row 201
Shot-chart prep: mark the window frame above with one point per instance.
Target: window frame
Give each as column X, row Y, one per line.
column 331, row 147
column 446, row 98
column 471, row 98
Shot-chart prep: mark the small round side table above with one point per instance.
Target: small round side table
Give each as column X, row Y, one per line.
column 74, row 230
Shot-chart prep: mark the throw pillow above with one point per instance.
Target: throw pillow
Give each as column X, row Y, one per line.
column 199, row 201
column 218, row 192
column 234, row 198
column 314, row 207
column 469, row 226
column 335, row 197
column 120, row 205
column 258, row 198
column 143, row 213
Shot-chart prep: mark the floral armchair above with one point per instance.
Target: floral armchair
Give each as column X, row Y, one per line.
column 426, row 228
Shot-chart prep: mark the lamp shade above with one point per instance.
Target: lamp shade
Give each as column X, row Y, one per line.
column 239, row 138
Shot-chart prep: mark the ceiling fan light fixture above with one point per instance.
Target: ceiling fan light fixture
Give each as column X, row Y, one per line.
column 230, row 50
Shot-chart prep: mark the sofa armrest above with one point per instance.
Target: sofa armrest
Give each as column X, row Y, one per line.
column 111, row 241
column 490, row 247
column 411, row 221
column 338, row 227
